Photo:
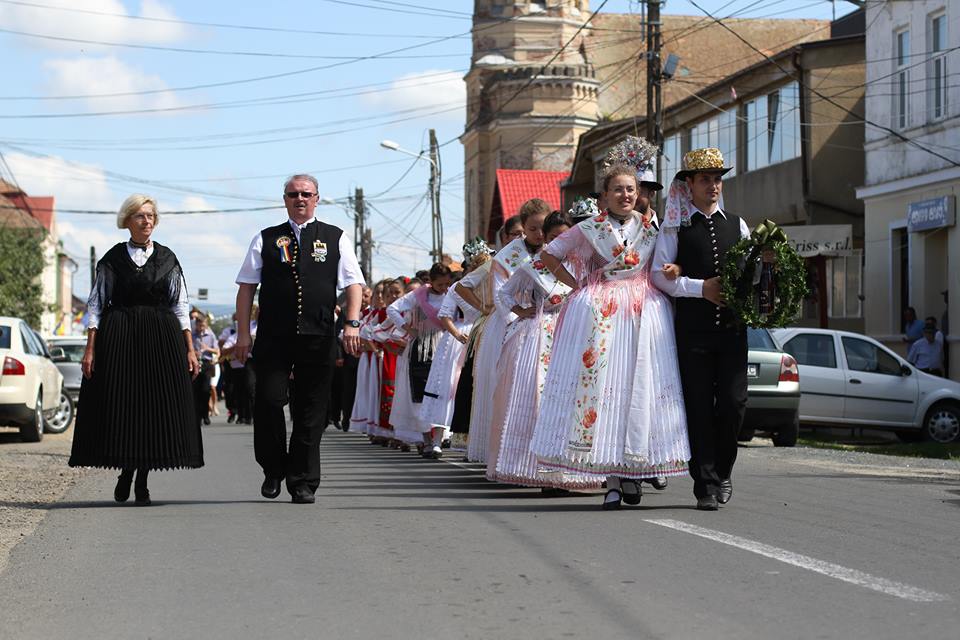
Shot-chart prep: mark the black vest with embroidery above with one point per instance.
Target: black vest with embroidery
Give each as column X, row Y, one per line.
column 298, row 288
column 701, row 249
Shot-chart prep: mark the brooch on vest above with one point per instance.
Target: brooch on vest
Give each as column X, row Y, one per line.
column 283, row 243
column 319, row 251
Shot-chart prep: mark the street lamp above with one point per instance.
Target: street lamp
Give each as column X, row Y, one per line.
column 433, row 159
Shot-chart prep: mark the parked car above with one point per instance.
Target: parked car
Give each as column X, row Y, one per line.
column 849, row 379
column 31, row 387
column 67, row 353
column 773, row 391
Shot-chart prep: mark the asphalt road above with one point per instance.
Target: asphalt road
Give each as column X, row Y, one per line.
column 399, row 547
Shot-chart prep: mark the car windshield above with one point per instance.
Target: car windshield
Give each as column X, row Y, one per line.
column 4, row 336
column 71, row 352
column 760, row 340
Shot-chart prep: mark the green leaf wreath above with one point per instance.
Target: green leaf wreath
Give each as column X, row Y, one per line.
column 790, row 277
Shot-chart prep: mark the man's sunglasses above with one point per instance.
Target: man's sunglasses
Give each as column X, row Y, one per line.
column 293, row 194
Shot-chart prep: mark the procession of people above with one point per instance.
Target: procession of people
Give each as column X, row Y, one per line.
column 591, row 353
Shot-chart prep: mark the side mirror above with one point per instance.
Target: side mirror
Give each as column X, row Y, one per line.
column 905, row 370
column 57, row 355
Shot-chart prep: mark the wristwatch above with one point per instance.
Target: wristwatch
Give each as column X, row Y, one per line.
column 352, row 323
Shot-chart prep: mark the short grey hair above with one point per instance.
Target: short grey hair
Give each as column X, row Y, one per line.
column 132, row 205
column 302, row 176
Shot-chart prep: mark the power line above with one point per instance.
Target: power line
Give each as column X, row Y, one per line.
column 799, row 81
column 219, row 25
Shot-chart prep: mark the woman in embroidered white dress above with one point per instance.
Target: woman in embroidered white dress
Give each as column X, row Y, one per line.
column 417, row 313
column 535, row 296
column 485, row 374
column 612, row 405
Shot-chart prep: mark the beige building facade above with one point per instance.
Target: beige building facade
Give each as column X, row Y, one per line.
column 913, row 169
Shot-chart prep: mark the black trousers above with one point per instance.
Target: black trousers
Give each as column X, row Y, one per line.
column 243, row 382
column 713, row 370
column 310, row 359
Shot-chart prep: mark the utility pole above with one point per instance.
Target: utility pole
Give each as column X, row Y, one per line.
column 436, row 222
column 93, row 267
column 654, row 78
column 362, row 238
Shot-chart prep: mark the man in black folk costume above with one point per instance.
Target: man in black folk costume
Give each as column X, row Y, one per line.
column 711, row 344
column 299, row 265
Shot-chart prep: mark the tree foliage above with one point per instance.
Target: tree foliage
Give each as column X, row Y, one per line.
column 21, row 262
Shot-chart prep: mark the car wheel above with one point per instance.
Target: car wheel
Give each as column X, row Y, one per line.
column 786, row 436
column 746, row 434
column 60, row 421
column 33, row 430
column 942, row 424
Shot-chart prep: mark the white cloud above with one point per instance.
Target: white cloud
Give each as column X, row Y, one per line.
column 89, row 26
column 83, row 76
column 75, row 185
column 442, row 89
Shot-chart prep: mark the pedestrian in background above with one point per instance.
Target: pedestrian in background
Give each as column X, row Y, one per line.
column 137, row 410
column 926, row 353
column 912, row 325
column 207, row 349
column 298, row 266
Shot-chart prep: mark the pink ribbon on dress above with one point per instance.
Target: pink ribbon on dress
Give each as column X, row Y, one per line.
column 422, row 294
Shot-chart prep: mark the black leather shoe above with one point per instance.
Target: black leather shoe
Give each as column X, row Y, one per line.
column 302, row 495
column 270, row 488
column 230, row 418
column 726, row 491
column 206, row 419
column 142, row 497
column 632, row 492
column 659, row 483
column 611, row 501
column 707, row 503
column 121, row 493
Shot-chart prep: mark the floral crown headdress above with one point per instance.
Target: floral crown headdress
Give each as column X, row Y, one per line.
column 632, row 151
column 584, row 208
column 476, row 247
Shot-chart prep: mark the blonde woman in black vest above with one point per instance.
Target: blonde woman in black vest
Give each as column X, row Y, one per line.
column 299, row 265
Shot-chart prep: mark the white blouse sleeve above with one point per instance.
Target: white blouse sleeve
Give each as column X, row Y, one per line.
column 181, row 308
column 508, row 296
column 451, row 302
column 565, row 244
column 500, row 279
column 396, row 310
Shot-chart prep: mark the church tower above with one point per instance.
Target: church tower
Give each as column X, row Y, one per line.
column 521, row 115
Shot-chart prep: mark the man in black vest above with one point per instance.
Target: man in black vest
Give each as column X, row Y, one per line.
column 711, row 344
column 298, row 265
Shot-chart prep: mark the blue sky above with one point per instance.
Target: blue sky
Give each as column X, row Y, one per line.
column 205, row 147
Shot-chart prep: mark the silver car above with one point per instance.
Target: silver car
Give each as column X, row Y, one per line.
column 849, row 379
column 66, row 353
column 773, row 391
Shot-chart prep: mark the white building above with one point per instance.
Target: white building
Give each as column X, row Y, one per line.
column 912, row 245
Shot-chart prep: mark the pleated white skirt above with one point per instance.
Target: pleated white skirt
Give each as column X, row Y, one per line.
column 358, row 416
column 436, row 410
column 636, row 419
column 485, row 377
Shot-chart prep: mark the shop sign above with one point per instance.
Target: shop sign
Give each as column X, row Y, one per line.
column 934, row 213
column 820, row 239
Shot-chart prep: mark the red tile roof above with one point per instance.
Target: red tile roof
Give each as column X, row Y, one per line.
column 40, row 207
column 516, row 186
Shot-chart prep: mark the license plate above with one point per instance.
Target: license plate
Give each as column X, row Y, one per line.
column 753, row 370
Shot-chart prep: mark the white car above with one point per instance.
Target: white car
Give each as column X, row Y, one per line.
column 849, row 379
column 31, row 387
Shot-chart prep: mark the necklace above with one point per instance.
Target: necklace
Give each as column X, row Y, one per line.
column 139, row 245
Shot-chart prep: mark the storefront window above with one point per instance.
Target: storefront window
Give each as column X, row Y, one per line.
column 844, row 276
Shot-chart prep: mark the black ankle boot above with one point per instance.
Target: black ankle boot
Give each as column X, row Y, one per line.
column 122, row 491
column 141, row 493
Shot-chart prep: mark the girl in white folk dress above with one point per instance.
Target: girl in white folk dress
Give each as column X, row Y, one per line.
column 457, row 318
column 417, row 313
column 504, row 263
column 612, row 405
column 535, row 296
column 360, row 413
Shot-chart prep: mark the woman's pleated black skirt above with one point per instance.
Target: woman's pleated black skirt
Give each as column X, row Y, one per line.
column 463, row 400
column 136, row 410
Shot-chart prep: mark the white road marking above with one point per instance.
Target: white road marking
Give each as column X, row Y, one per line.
column 853, row 576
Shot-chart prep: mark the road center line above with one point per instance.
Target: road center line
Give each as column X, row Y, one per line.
column 853, row 576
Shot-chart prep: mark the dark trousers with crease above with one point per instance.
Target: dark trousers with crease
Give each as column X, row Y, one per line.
column 311, row 360
column 713, row 370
